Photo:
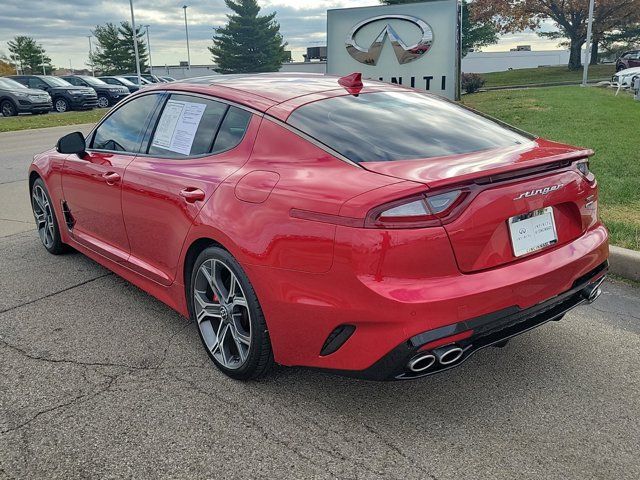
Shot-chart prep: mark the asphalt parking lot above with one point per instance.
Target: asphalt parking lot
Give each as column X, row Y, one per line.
column 99, row 380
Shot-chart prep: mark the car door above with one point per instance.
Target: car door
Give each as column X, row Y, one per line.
column 634, row 59
column 197, row 143
column 92, row 184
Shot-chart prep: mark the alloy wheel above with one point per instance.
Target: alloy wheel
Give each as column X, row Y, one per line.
column 103, row 102
column 222, row 313
column 61, row 105
column 43, row 216
column 8, row 110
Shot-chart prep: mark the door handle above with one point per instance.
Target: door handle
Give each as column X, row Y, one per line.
column 192, row 195
column 111, row 177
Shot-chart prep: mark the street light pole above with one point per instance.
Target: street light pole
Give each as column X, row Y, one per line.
column 149, row 49
column 93, row 70
column 135, row 43
column 44, row 72
column 587, row 53
column 186, row 30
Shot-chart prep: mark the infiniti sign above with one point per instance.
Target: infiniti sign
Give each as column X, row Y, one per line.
column 404, row 53
column 414, row 44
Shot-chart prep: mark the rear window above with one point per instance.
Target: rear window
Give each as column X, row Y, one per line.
column 388, row 126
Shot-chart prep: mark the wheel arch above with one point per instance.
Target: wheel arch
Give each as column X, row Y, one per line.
column 33, row 176
column 195, row 248
column 6, row 98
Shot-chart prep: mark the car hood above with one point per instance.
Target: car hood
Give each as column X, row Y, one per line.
column 456, row 169
column 30, row 91
column 628, row 71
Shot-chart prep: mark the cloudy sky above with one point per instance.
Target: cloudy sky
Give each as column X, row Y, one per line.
column 62, row 26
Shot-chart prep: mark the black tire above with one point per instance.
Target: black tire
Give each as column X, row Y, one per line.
column 60, row 105
column 8, row 109
column 103, row 101
column 259, row 358
column 53, row 241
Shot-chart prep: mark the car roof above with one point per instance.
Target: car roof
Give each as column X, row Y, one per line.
column 264, row 91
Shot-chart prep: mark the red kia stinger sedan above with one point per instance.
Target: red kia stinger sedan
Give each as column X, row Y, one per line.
column 358, row 227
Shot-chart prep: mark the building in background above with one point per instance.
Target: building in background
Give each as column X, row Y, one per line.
column 474, row 62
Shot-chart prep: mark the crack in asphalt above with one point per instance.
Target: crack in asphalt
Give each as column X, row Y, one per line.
column 53, row 294
column 250, row 421
column 17, row 221
column 88, row 396
column 611, row 312
column 78, row 399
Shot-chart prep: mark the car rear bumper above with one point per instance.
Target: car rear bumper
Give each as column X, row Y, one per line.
column 481, row 332
column 306, row 312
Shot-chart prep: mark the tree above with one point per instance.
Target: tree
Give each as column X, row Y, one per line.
column 249, row 42
column 569, row 16
column 29, row 55
column 114, row 53
column 475, row 33
column 625, row 37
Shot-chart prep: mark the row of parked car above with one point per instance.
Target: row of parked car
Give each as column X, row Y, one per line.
column 39, row 94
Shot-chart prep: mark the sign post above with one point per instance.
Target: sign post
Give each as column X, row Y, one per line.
column 416, row 45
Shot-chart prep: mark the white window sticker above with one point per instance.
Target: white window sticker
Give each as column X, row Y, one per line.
column 178, row 126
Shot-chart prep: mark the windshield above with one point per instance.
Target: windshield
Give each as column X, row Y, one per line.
column 10, row 84
column 388, row 126
column 93, row 81
column 55, row 82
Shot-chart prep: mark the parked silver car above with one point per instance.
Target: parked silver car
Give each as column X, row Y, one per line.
column 15, row 98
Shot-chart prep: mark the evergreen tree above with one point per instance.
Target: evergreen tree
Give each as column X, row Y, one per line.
column 29, row 55
column 114, row 52
column 249, row 42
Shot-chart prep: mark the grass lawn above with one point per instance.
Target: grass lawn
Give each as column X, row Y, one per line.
column 27, row 122
column 530, row 76
column 588, row 117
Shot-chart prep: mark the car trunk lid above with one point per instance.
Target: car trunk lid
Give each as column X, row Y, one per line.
column 500, row 185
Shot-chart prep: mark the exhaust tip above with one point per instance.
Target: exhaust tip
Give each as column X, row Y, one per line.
column 595, row 293
column 421, row 363
column 448, row 354
column 592, row 292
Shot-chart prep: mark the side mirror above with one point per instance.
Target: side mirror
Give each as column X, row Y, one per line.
column 72, row 143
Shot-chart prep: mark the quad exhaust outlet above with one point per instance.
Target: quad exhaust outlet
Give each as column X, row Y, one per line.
column 447, row 355
column 421, row 363
column 592, row 292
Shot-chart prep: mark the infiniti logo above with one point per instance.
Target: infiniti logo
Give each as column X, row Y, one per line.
column 404, row 53
column 540, row 191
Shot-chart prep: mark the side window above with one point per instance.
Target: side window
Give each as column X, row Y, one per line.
column 187, row 127
column 122, row 131
column 72, row 81
column 36, row 83
column 232, row 129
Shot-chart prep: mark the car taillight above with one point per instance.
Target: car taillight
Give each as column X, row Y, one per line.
column 583, row 168
column 415, row 212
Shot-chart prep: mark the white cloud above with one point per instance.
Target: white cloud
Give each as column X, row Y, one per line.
column 62, row 25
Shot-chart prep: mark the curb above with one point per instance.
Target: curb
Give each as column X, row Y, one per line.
column 625, row 263
column 542, row 85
